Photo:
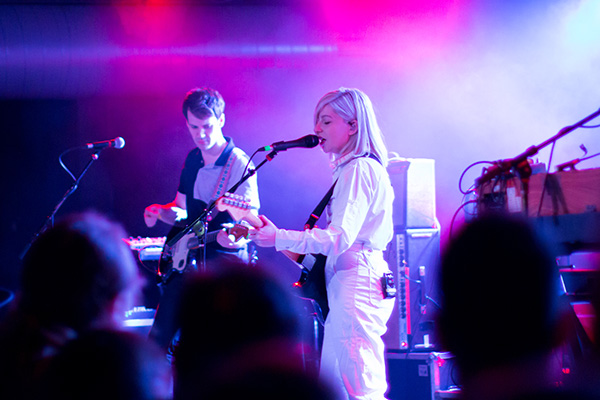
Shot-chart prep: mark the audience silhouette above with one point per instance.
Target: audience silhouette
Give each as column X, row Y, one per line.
column 77, row 276
column 241, row 336
column 501, row 315
column 108, row 364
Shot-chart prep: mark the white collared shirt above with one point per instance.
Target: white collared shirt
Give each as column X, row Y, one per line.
column 360, row 211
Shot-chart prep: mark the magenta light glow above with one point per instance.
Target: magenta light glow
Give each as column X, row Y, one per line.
column 398, row 33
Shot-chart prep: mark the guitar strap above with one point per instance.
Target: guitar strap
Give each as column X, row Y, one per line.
column 314, row 216
column 312, row 281
column 225, row 174
column 310, row 223
column 223, row 179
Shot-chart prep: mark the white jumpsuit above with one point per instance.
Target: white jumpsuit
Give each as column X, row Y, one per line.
column 360, row 226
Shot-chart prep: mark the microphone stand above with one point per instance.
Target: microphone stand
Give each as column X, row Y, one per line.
column 49, row 222
column 251, row 172
column 199, row 225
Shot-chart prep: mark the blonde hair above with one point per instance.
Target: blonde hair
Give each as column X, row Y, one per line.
column 353, row 104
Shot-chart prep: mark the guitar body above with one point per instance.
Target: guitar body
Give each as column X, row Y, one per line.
column 181, row 254
column 312, row 286
column 177, row 257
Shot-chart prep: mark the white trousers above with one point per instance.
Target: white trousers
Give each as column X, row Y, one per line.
column 353, row 356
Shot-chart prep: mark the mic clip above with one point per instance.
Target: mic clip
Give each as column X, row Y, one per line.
column 568, row 165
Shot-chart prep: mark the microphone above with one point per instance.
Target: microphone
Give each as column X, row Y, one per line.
column 308, row 141
column 117, row 143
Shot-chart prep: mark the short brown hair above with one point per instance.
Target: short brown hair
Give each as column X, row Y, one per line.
column 203, row 103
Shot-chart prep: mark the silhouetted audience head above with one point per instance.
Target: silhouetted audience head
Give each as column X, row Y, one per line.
column 268, row 382
column 6, row 297
column 500, row 292
column 240, row 334
column 108, row 364
column 79, row 273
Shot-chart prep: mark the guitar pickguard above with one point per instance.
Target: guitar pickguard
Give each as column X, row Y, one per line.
column 182, row 254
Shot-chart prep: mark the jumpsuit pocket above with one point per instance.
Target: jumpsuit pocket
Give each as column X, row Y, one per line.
column 372, row 263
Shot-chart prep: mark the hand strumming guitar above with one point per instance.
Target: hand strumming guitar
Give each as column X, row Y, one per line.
column 166, row 213
column 171, row 213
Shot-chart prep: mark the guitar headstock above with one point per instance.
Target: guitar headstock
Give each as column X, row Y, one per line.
column 239, row 208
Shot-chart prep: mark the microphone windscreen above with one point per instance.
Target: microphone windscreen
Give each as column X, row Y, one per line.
column 311, row 141
column 119, row 143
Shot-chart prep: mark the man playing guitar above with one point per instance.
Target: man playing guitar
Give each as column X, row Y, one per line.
column 208, row 172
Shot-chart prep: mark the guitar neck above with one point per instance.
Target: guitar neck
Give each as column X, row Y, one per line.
column 211, row 236
column 195, row 241
column 184, row 232
column 239, row 209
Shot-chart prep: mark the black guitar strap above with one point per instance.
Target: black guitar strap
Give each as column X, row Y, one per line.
column 310, row 223
column 314, row 216
column 312, row 282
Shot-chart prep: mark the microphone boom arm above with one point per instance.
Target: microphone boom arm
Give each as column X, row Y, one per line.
column 49, row 221
column 502, row 166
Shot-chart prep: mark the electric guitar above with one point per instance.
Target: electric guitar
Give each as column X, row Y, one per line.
column 178, row 253
column 312, row 275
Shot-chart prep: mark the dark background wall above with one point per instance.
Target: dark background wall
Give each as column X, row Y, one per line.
column 454, row 81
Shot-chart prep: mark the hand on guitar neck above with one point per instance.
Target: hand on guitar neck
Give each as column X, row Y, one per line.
column 264, row 233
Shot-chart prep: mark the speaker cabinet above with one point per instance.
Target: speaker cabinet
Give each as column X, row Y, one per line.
column 398, row 172
column 413, row 257
column 413, row 180
column 409, row 376
column 413, row 254
column 422, row 376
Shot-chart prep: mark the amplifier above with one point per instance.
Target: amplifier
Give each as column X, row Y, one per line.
column 413, row 180
column 422, row 376
column 413, row 258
